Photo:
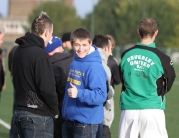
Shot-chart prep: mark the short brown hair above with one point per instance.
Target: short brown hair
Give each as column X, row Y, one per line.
column 41, row 23
column 81, row 34
column 111, row 38
column 147, row 27
column 101, row 41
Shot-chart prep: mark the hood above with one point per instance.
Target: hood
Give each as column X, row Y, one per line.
column 92, row 57
column 59, row 56
column 30, row 40
column 103, row 55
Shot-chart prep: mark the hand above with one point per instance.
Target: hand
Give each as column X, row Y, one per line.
column 163, row 83
column 72, row 92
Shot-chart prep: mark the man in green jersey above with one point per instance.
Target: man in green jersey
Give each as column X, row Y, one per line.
column 147, row 75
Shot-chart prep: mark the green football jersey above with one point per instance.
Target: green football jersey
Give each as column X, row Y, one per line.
column 146, row 74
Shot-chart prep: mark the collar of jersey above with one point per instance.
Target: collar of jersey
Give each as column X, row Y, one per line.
column 149, row 45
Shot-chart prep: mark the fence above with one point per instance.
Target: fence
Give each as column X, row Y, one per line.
column 171, row 52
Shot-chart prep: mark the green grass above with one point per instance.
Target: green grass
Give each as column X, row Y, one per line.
column 6, row 103
column 172, row 111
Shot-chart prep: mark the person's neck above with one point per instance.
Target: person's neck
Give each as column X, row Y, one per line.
column 147, row 41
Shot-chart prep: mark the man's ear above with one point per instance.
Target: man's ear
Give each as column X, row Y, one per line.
column 138, row 32
column 46, row 33
column 156, row 33
column 105, row 48
column 90, row 42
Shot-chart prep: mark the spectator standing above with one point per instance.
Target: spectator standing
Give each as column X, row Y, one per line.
column 113, row 64
column 147, row 75
column 13, row 131
column 85, row 90
column 2, row 71
column 36, row 103
column 60, row 64
column 66, row 42
column 104, row 48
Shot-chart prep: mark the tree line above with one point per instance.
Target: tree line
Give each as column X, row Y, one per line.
column 119, row 18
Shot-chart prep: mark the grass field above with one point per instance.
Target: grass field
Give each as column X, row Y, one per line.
column 172, row 111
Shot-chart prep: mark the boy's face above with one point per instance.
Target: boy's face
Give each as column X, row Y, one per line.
column 82, row 47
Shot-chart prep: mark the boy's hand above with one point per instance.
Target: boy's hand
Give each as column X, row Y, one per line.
column 72, row 92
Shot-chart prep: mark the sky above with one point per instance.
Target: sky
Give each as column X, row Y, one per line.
column 83, row 7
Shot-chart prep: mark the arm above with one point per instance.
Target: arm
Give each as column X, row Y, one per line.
column 61, row 80
column 45, row 81
column 95, row 91
column 114, row 70
column 2, row 75
column 169, row 74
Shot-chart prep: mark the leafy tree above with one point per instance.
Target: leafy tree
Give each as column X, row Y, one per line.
column 64, row 18
column 121, row 17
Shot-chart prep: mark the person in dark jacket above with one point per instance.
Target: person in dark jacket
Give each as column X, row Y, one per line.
column 66, row 42
column 10, row 57
column 60, row 63
column 13, row 131
column 113, row 64
column 36, row 102
column 2, row 71
column 104, row 48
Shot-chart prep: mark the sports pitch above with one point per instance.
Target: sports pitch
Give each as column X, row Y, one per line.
column 171, row 112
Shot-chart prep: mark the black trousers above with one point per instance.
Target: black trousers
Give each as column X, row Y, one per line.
column 103, row 131
column 58, row 127
column 106, row 132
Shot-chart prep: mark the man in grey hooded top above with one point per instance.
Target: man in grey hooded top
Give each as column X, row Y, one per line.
column 104, row 48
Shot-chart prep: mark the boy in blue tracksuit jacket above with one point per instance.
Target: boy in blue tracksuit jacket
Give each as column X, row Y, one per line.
column 85, row 89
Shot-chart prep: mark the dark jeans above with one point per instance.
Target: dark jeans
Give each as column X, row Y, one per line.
column 33, row 126
column 100, row 131
column 13, row 131
column 78, row 130
column 106, row 132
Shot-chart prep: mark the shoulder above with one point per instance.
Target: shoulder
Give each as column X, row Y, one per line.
column 112, row 59
column 98, row 68
column 39, row 54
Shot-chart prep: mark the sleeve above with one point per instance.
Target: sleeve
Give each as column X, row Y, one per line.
column 61, row 80
column 10, row 57
column 169, row 74
column 2, row 75
column 10, row 60
column 121, row 77
column 96, row 93
column 114, row 71
column 45, row 81
column 110, row 90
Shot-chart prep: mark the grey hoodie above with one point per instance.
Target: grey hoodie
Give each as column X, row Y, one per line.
column 109, row 105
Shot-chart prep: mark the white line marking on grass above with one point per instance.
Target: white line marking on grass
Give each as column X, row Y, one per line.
column 6, row 125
